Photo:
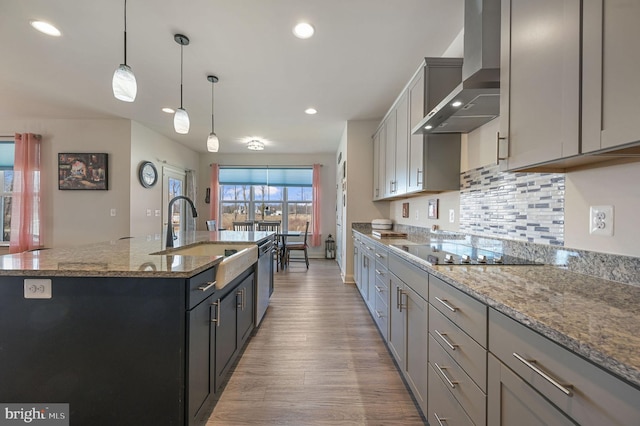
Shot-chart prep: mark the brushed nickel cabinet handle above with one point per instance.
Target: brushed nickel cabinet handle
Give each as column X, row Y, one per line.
column 563, row 387
column 378, row 289
column 498, row 139
column 447, row 305
column 378, row 314
column 441, row 370
column 206, row 286
column 439, row 419
column 400, row 300
column 378, row 272
column 217, row 318
column 239, row 303
column 418, row 181
column 379, row 256
column 445, row 340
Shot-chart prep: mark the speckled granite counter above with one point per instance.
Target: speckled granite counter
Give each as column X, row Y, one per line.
column 133, row 257
column 595, row 318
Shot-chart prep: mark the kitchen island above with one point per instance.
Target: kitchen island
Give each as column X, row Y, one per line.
column 126, row 331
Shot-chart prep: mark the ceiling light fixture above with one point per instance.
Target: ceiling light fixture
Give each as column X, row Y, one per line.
column 310, row 111
column 168, row 110
column 456, row 104
column 255, row 145
column 303, row 30
column 181, row 118
column 212, row 141
column 46, row 28
column 124, row 82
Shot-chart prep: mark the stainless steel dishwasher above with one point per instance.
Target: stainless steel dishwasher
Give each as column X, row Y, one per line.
column 264, row 281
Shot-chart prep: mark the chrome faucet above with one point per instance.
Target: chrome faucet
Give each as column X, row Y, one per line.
column 194, row 213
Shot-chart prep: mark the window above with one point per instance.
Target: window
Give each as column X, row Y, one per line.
column 282, row 194
column 7, row 153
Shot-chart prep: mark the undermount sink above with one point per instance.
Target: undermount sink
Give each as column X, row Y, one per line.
column 238, row 258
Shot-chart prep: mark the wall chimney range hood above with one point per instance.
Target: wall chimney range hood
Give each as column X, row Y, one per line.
column 476, row 100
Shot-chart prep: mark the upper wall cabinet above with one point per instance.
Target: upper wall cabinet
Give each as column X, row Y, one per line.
column 550, row 117
column 610, row 89
column 539, row 81
column 406, row 164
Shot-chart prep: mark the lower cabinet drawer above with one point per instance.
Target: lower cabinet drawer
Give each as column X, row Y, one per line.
column 381, row 315
column 583, row 391
column 463, row 349
column 468, row 394
column 444, row 408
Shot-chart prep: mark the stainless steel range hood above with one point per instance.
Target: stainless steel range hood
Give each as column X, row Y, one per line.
column 476, row 100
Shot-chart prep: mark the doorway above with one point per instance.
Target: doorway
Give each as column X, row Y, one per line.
column 173, row 184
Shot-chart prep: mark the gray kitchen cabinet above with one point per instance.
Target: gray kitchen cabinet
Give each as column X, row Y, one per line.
column 368, row 276
column 397, row 321
column 244, row 308
column 378, row 164
column 444, row 409
column 390, row 154
column 356, row 260
column 610, row 89
column 581, row 390
column 417, row 345
column 512, row 402
column 201, row 381
column 402, row 145
column 434, row 159
column 539, row 82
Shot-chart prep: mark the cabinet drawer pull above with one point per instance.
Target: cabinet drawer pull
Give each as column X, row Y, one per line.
column 439, row 419
column 206, row 286
column 378, row 289
column 441, row 370
column 564, row 388
column 379, row 256
column 217, row 318
column 418, row 181
column 446, row 305
column 378, row 314
column 445, row 340
column 498, row 157
column 402, row 305
column 379, row 272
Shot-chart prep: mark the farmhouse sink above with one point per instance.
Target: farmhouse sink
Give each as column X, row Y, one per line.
column 238, row 257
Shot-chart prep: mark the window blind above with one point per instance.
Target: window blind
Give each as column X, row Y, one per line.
column 281, row 176
column 7, row 155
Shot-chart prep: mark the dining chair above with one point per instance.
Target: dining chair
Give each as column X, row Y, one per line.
column 247, row 225
column 298, row 245
column 273, row 226
column 211, row 225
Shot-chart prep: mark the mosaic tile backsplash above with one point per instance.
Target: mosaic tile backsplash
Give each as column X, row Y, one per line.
column 517, row 206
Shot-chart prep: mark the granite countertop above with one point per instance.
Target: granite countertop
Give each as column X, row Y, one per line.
column 132, row 257
column 595, row 318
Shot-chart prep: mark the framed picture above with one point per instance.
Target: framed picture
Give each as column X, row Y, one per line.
column 405, row 209
column 433, row 208
column 83, row 171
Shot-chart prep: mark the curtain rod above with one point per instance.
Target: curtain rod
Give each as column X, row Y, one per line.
column 13, row 136
column 173, row 165
column 277, row 166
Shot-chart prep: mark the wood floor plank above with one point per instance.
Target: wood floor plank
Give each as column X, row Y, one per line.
column 317, row 359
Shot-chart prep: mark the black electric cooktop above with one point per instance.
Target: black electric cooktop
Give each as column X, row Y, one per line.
column 448, row 253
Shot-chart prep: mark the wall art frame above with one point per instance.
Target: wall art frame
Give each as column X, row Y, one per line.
column 83, row 171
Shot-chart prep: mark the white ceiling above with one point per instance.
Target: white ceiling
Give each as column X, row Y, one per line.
column 362, row 55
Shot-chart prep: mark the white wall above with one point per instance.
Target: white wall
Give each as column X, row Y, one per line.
column 77, row 217
column 147, row 145
column 328, row 178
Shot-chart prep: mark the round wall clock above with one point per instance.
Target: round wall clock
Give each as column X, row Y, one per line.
column 147, row 174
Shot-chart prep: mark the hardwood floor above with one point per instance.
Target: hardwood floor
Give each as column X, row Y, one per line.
column 317, row 359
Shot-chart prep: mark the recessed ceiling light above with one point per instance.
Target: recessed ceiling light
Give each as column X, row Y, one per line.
column 303, row 30
column 456, row 104
column 168, row 110
column 428, row 127
column 310, row 111
column 46, row 28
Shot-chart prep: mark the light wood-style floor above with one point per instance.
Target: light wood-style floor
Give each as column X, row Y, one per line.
column 316, row 359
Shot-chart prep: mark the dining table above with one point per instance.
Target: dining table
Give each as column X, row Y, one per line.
column 282, row 238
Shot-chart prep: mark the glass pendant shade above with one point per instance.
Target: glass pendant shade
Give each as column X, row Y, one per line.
column 181, row 121
column 124, row 84
column 213, row 143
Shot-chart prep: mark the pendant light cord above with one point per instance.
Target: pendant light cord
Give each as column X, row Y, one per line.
column 125, row 32
column 181, row 61
column 212, row 127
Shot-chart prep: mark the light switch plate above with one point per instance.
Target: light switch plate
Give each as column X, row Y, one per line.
column 452, row 215
column 601, row 220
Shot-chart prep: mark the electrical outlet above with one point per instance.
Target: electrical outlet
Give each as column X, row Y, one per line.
column 157, row 213
column 452, row 215
column 417, row 215
column 149, row 212
column 601, row 220
column 113, row 212
column 37, row 289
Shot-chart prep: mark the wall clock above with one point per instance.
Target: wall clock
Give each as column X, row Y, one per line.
column 147, row 174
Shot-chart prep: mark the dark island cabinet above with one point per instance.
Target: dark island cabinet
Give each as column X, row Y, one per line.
column 123, row 350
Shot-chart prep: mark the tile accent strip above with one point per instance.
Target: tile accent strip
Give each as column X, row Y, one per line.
column 516, row 206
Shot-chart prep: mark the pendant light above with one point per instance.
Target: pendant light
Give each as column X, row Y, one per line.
column 181, row 118
column 124, row 82
column 212, row 141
